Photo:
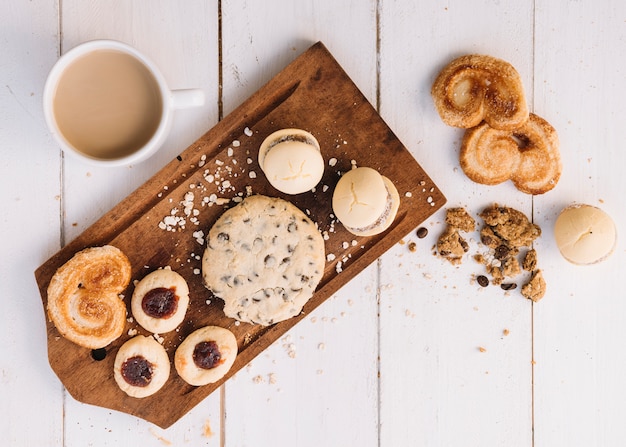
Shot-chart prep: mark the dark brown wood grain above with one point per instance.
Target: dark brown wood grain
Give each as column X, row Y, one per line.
column 312, row 93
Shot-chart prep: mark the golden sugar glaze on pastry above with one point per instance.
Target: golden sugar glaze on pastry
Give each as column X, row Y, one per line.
column 83, row 296
column 474, row 88
column 528, row 156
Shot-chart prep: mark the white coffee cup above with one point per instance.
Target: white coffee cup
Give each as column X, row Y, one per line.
column 108, row 104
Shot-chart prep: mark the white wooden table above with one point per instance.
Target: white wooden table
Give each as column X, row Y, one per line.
column 393, row 359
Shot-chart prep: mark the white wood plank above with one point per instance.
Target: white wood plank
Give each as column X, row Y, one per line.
column 327, row 394
column 182, row 41
column 30, row 225
column 579, row 332
column 434, row 319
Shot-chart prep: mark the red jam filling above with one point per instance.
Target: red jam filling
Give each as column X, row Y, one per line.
column 160, row 302
column 137, row 371
column 206, row 355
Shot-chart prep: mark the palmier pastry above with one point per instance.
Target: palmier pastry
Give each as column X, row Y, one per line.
column 474, row 88
column 528, row 155
column 160, row 301
column 206, row 355
column 141, row 366
column 83, row 296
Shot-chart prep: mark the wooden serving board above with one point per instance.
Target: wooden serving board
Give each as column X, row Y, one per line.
column 312, row 93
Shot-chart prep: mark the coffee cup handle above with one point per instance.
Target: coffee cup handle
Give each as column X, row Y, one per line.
column 186, row 98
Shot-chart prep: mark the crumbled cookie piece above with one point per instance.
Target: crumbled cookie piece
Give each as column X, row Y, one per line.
column 480, row 258
column 460, row 219
column 496, row 274
column 506, row 230
column 511, row 226
column 451, row 245
column 535, row 289
column 511, row 267
column 489, row 238
column 530, row 260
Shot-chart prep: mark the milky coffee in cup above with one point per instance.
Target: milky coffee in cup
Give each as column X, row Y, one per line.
column 107, row 103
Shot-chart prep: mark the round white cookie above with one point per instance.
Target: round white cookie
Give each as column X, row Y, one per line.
column 264, row 258
column 206, row 355
column 365, row 202
column 291, row 160
column 160, row 301
column 141, row 366
column 585, row 234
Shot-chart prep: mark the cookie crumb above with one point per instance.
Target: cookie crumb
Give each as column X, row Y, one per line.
column 530, row 260
column 535, row 289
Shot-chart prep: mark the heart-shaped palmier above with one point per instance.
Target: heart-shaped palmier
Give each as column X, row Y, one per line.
column 83, row 296
column 475, row 87
column 529, row 155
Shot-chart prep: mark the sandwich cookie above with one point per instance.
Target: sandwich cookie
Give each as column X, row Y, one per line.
column 291, row 160
column 206, row 355
column 141, row 366
column 160, row 301
column 365, row 202
column 585, row 234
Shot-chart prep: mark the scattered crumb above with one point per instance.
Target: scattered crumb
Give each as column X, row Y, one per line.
column 481, row 349
column 206, row 429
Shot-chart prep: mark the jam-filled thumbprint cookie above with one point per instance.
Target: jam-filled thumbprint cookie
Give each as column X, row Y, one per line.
column 160, row 301
column 206, row 355
column 141, row 366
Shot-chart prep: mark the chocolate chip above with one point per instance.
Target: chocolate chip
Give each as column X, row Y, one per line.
column 502, row 252
column 483, row 281
column 508, row 286
column 422, row 232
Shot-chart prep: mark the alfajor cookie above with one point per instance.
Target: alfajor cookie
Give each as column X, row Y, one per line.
column 585, row 234
column 365, row 202
column 291, row 160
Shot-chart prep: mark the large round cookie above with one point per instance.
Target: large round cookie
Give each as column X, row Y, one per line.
column 264, row 258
